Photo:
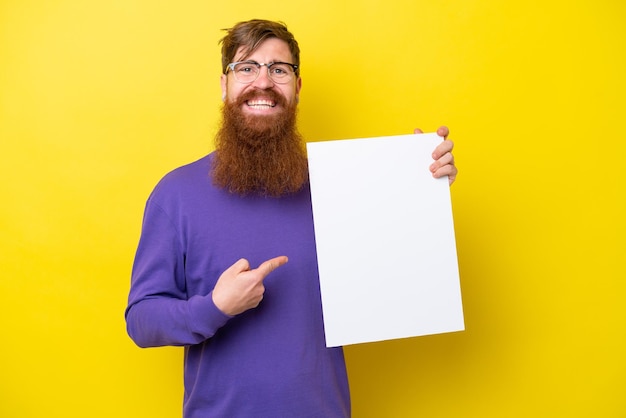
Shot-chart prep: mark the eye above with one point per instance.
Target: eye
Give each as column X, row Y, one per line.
column 246, row 68
column 279, row 69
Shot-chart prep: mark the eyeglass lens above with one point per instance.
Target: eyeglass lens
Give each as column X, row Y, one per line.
column 248, row 71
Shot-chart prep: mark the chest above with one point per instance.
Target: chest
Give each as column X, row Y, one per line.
column 220, row 231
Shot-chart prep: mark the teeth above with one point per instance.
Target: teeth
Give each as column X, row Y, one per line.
column 261, row 103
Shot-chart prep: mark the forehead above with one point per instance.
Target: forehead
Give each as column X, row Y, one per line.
column 272, row 49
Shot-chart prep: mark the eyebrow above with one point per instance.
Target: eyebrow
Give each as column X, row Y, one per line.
column 264, row 63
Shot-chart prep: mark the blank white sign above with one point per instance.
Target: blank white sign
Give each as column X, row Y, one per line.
column 385, row 240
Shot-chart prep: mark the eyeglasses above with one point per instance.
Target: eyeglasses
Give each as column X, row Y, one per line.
column 247, row 71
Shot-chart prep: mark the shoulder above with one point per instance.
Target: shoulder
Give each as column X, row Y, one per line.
column 196, row 170
column 187, row 175
column 186, row 180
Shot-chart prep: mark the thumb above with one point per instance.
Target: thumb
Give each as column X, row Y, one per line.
column 240, row 266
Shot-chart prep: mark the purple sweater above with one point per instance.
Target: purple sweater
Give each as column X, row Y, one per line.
column 270, row 361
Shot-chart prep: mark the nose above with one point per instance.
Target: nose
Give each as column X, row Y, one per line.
column 263, row 81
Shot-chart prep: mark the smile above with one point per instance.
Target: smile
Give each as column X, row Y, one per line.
column 261, row 104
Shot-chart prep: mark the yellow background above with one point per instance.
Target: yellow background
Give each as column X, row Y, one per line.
column 98, row 99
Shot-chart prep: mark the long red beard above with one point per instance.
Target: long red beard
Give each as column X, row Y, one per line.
column 262, row 155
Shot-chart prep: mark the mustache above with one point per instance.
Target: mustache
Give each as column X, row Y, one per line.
column 278, row 99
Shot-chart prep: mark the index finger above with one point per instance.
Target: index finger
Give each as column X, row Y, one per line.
column 443, row 132
column 272, row 264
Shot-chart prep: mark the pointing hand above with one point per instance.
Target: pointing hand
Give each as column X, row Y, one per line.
column 239, row 288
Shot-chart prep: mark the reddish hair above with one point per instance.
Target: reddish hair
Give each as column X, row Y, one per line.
column 250, row 35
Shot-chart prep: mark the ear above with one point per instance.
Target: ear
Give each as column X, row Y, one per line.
column 298, row 87
column 223, row 83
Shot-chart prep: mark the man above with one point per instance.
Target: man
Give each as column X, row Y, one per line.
column 214, row 230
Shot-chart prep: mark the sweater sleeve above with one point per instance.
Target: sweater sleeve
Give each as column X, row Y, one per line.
column 159, row 312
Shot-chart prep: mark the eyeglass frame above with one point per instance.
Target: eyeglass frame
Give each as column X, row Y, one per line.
column 232, row 65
